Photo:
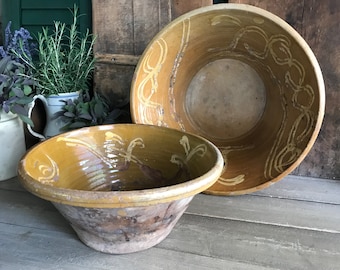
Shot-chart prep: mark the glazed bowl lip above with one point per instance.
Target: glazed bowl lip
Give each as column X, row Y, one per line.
column 294, row 35
column 118, row 199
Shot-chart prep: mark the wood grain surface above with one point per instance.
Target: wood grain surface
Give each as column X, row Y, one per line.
column 126, row 27
column 294, row 224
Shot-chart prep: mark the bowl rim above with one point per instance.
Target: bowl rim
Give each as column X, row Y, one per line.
column 119, row 199
column 294, row 36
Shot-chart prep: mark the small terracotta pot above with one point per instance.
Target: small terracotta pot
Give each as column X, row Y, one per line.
column 122, row 187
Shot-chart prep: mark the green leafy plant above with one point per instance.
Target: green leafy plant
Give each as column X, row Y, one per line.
column 16, row 89
column 65, row 58
column 16, row 82
column 87, row 111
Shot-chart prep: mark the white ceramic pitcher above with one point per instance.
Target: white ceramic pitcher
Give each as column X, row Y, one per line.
column 52, row 104
column 12, row 145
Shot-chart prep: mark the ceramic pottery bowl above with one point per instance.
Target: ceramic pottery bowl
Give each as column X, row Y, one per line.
column 240, row 77
column 122, row 187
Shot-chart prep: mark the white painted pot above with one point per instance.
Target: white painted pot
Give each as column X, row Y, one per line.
column 12, row 146
column 52, row 104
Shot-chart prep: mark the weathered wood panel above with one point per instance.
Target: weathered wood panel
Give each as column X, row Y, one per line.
column 294, row 187
column 255, row 209
column 260, row 244
column 126, row 27
column 318, row 23
column 55, row 250
column 196, row 243
column 296, row 213
column 247, row 232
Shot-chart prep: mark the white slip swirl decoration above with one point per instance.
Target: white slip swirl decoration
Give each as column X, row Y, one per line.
column 149, row 85
column 277, row 47
column 232, row 181
column 113, row 144
column 179, row 56
column 49, row 172
column 182, row 160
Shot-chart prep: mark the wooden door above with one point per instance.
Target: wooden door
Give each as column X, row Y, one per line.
column 123, row 29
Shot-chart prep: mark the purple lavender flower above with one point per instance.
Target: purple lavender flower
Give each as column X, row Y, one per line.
column 18, row 43
column 8, row 34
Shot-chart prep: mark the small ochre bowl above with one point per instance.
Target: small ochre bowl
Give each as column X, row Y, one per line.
column 122, row 187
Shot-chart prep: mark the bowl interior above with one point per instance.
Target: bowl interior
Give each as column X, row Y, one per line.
column 124, row 157
column 242, row 78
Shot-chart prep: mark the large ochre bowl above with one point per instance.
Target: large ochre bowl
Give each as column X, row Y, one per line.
column 122, row 187
column 244, row 79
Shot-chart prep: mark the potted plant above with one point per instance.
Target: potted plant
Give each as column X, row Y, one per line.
column 87, row 110
column 16, row 81
column 65, row 58
column 63, row 68
column 16, row 92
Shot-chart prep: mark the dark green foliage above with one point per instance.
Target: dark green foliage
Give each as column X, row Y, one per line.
column 87, row 111
column 16, row 88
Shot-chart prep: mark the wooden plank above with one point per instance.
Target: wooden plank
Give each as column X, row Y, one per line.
column 304, row 188
column 117, row 59
column 42, row 4
column 113, row 82
column 323, row 36
column 11, row 184
column 244, row 232
column 179, row 7
column 26, row 248
column 203, row 243
column 126, row 27
column 7, row 15
column 266, row 210
column 22, row 208
column 148, row 19
column 113, row 26
column 294, row 212
column 200, row 242
column 257, row 244
column 42, row 17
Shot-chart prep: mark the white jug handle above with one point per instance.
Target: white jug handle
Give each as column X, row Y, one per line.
column 30, row 109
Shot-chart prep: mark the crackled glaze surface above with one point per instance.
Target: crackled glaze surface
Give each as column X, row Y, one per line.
column 122, row 187
column 284, row 105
